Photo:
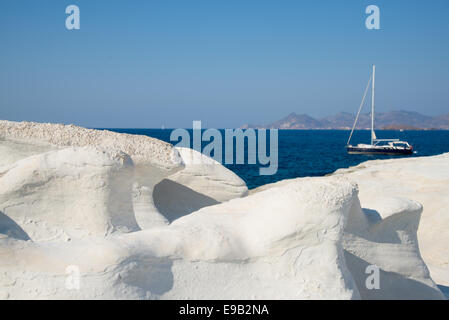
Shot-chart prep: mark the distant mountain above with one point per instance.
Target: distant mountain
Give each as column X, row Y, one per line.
column 294, row 121
column 406, row 120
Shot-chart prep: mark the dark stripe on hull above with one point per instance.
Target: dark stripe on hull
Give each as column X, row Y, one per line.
column 354, row 150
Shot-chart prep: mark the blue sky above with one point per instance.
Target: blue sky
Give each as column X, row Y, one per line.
column 152, row 63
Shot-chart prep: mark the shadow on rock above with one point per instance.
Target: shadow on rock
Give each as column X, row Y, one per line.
column 10, row 228
column 174, row 200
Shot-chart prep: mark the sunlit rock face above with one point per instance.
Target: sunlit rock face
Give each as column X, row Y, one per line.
column 422, row 179
column 203, row 182
column 88, row 214
column 69, row 193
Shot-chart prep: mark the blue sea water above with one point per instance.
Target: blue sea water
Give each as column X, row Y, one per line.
column 304, row 153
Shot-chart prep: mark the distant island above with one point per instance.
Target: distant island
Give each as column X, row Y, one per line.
column 393, row 120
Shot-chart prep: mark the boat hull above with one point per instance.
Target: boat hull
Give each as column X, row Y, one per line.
column 390, row 151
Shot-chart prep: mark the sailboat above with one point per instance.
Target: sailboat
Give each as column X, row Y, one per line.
column 377, row 146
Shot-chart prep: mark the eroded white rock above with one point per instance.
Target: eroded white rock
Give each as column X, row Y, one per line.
column 384, row 239
column 423, row 179
column 66, row 194
column 280, row 244
column 298, row 239
column 159, row 194
column 202, row 182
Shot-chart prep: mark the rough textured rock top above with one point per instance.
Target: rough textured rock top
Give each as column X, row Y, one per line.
column 142, row 149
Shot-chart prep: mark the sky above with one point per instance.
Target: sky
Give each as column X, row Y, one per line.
column 154, row 63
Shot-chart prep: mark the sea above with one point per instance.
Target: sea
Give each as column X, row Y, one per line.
column 304, row 153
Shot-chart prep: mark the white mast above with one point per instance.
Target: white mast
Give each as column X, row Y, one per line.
column 373, row 135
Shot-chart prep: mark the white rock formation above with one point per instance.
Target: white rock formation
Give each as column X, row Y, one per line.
column 388, row 243
column 203, row 182
column 281, row 244
column 159, row 173
column 68, row 193
column 153, row 159
column 423, row 179
column 33, row 138
column 130, row 238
